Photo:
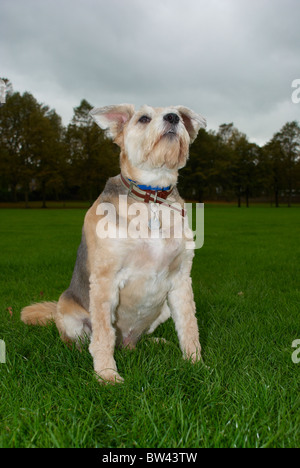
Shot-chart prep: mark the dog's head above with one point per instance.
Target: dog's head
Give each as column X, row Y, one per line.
column 154, row 142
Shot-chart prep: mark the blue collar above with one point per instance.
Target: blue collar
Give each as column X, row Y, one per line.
column 149, row 187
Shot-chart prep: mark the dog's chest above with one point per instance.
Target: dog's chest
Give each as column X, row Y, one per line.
column 143, row 285
column 147, row 273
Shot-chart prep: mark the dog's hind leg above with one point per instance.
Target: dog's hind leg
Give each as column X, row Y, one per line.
column 72, row 320
column 163, row 316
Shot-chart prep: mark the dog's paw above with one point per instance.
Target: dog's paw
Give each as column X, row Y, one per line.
column 193, row 356
column 158, row 340
column 109, row 376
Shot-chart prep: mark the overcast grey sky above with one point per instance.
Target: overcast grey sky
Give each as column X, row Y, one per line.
column 230, row 60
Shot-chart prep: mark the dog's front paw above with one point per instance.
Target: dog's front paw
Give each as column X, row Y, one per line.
column 193, row 355
column 109, row 376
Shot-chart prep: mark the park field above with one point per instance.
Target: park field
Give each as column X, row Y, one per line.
column 246, row 286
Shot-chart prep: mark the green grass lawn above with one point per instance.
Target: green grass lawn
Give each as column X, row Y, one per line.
column 246, row 285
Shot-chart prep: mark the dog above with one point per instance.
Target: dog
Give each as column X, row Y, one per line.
column 124, row 287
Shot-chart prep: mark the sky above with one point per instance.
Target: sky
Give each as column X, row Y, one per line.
column 229, row 60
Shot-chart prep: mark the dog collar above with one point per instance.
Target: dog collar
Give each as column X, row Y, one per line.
column 149, row 187
column 149, row 194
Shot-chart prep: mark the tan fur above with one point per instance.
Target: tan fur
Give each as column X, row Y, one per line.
column 124, row 287
column 39, row 314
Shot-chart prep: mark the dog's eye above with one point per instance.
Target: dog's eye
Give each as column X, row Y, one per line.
column 144, row 119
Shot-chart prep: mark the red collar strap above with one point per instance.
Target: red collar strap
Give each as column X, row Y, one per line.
column 147, row 196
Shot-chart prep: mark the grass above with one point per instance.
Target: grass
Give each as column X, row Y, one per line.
column 246, row 284
column 49, row 204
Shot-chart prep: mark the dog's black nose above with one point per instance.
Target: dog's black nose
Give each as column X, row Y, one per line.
column 171, row 118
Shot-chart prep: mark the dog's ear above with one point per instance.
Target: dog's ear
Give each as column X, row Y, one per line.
column 112, row 118
column 192, row 121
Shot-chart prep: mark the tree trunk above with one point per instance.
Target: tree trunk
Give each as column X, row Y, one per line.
column 56, row 194
column 44, row 195
column 277, row 198
column 247, row 198
column 26, row 197
column 200, row 196
column 14, row 191
column 290, row 195
column 239, row 198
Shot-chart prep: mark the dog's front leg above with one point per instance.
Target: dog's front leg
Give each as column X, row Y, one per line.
column 103, row 301
column 183, row 310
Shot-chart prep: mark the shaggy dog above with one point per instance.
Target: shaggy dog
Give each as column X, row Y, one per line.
column 124, row 284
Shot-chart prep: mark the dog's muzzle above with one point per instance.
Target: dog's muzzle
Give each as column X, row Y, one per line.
column 171, row 118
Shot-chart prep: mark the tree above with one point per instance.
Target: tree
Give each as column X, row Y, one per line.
column 243, row 157
column 281, row 158
column 288, row 140
column 48, row 152
column 37, row 153
column 92, row 157
column 30, row 142
column 271, row 166
column 15, row 126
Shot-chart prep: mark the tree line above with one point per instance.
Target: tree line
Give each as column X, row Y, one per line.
column 41, row 159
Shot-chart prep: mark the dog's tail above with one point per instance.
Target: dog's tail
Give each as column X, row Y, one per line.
column 39, row 314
